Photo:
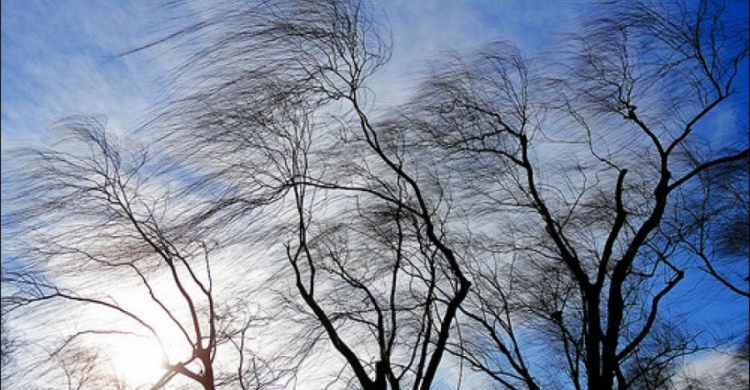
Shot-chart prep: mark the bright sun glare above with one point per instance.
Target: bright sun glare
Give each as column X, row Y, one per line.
column 137, row 360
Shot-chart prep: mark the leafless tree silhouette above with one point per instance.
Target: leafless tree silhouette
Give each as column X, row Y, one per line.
column 591, row 177
column 527, row 218
column 359, row 224
column 92, row 224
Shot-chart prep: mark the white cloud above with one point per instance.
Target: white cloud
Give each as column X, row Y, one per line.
column 59, row 59
column 715, row 370
column 423, row 30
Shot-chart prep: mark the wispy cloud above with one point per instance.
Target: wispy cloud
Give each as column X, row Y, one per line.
column 715, row 370
column 59, row 58
column 423, row 30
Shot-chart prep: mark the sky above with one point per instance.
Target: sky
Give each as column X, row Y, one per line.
column 56, row 61
column 61, row 58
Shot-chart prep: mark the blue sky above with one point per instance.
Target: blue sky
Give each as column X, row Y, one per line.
column 60, row 58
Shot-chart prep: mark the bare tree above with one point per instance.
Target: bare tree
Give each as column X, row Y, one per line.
column 96, row 237
column 599, row 168
column 359, row 222
column 8, row 347
column 716, row 225
column 512, row 210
